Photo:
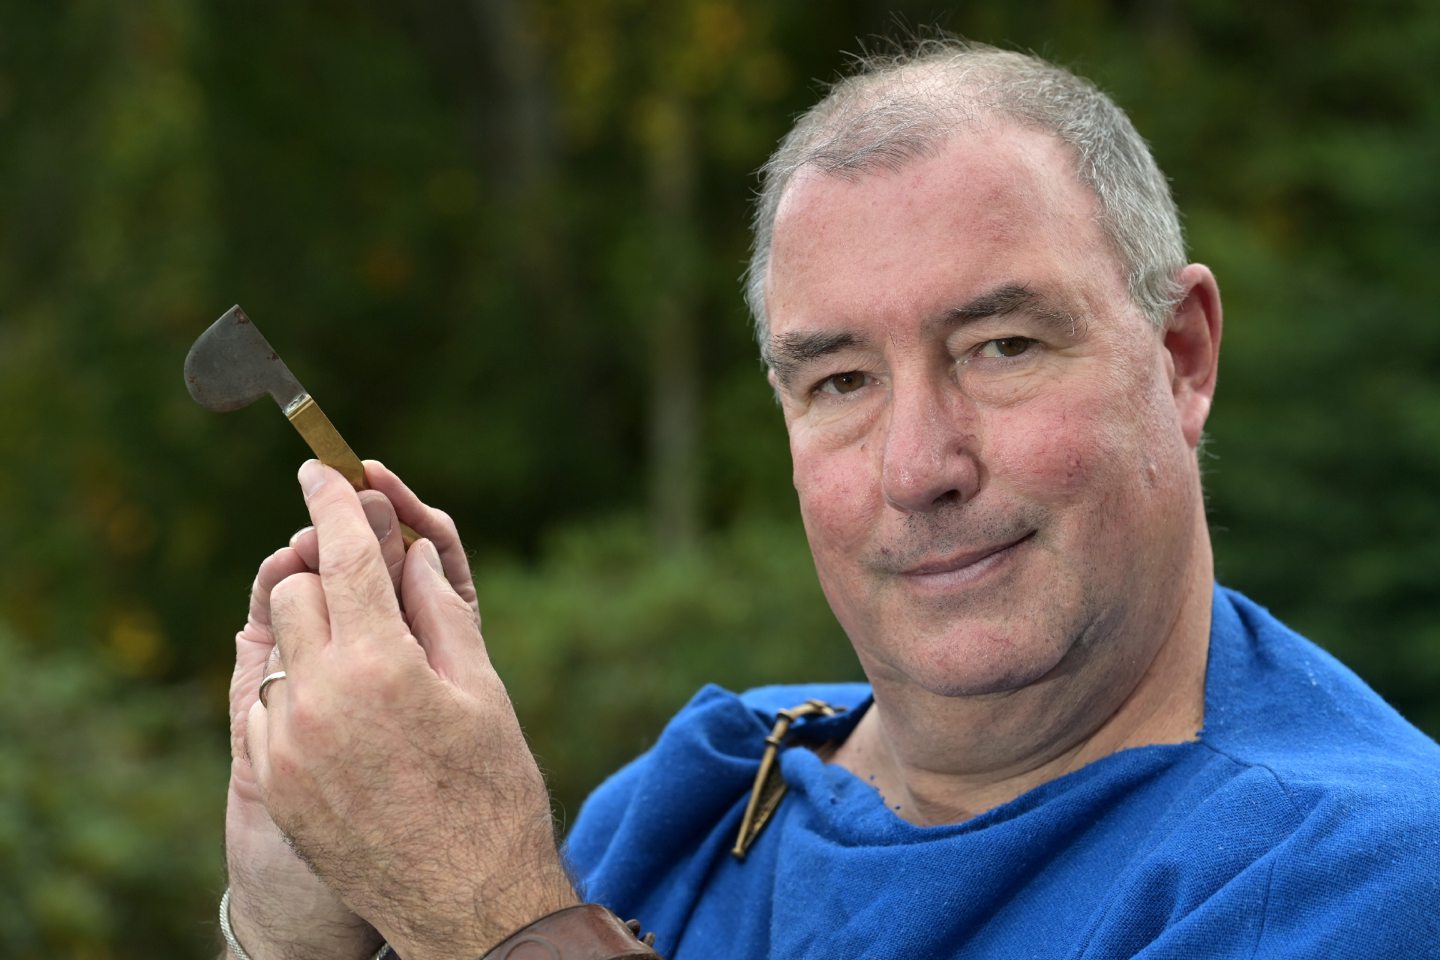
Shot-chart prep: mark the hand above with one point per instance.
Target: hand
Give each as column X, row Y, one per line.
column 390, row 755
column 278, row 907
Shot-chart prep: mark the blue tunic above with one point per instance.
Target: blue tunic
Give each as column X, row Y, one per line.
column 1304, row 822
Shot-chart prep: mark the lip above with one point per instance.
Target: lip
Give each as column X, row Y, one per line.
column 963, row 566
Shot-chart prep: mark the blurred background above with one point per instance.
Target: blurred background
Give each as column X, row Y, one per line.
column 500, row 242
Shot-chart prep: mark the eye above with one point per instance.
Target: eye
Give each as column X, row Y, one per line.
column 842, row 383
column 1004, row 348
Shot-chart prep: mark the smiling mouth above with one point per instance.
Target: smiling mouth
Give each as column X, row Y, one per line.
column 964, row 565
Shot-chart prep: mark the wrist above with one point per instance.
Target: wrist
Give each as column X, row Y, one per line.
column 277, row 926
column 584, row 931
column 464, row 916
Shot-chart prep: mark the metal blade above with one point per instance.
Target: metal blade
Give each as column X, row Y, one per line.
column 231, row 365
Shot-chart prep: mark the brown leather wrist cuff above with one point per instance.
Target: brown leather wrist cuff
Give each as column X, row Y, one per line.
column 584, row 932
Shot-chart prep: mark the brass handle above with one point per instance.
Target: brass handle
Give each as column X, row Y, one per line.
column 332, row 450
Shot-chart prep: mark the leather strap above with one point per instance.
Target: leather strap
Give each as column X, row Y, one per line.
column 584, row 932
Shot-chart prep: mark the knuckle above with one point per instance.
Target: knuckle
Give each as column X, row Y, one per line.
column 290, row 592
column 303, row 724
column 454, row 606
column 266, row 572
column 369, row 595
column 374, row 673
column 272, row 561
column 387, row 687
column 444, row 522
column 348, row 554
column 303, row 538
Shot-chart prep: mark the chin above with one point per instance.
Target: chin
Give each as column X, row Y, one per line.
column 977, row 663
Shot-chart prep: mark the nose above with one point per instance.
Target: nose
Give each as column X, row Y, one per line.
column 929, row 450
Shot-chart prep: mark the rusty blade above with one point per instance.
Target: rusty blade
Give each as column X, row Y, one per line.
column 231, row 365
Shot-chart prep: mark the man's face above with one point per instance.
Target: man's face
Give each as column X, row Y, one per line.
column 987, row 448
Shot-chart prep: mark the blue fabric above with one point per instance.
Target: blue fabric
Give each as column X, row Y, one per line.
column 1303, row 823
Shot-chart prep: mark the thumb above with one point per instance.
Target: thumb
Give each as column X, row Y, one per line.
column 444, row 623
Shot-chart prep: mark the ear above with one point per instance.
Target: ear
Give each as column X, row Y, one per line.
column 1192, row 343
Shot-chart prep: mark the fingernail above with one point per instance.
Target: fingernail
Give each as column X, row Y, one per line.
column 298, row 534
column 379, row 514
column 312, row 477
column 433, row 556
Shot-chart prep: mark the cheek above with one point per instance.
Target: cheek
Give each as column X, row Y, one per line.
column 1050, row 454
column 835, row 491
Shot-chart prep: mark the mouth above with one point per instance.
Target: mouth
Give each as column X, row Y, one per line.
column 964, row 567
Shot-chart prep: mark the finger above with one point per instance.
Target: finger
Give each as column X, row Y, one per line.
column 307, row 544
column 381, row 516
column 257, row 744
column 255, row 643
column 358, row 593
column 440, row 618
column 300, row 621
column 432, row 524
column 276, row 567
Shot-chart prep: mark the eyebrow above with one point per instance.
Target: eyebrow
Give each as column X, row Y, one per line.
column 1006, row 299
column 788, row 352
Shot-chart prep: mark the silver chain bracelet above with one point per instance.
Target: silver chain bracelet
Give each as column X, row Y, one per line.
column 233, row 944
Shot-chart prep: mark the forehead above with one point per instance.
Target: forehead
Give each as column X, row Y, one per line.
column 996, row 203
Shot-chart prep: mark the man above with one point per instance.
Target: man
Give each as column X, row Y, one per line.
column 995, row 368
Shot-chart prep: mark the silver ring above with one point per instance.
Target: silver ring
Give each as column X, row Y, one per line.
column 265, row 685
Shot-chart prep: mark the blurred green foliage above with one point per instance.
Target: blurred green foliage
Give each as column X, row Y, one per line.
column 107, row 808
column 500, row 242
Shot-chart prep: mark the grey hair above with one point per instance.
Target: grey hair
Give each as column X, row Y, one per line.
column 899, row 107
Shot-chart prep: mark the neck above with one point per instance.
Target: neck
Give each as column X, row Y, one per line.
column 938, row 759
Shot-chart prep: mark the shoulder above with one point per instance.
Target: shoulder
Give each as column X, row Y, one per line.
column 1278, row 704
column 1358, row 832
column 1275, row 699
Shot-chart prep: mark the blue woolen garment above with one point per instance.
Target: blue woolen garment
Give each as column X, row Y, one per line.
column 1305, row 822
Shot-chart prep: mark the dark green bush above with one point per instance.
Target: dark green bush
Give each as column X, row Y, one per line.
column 609, row 637
column 111, row 798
